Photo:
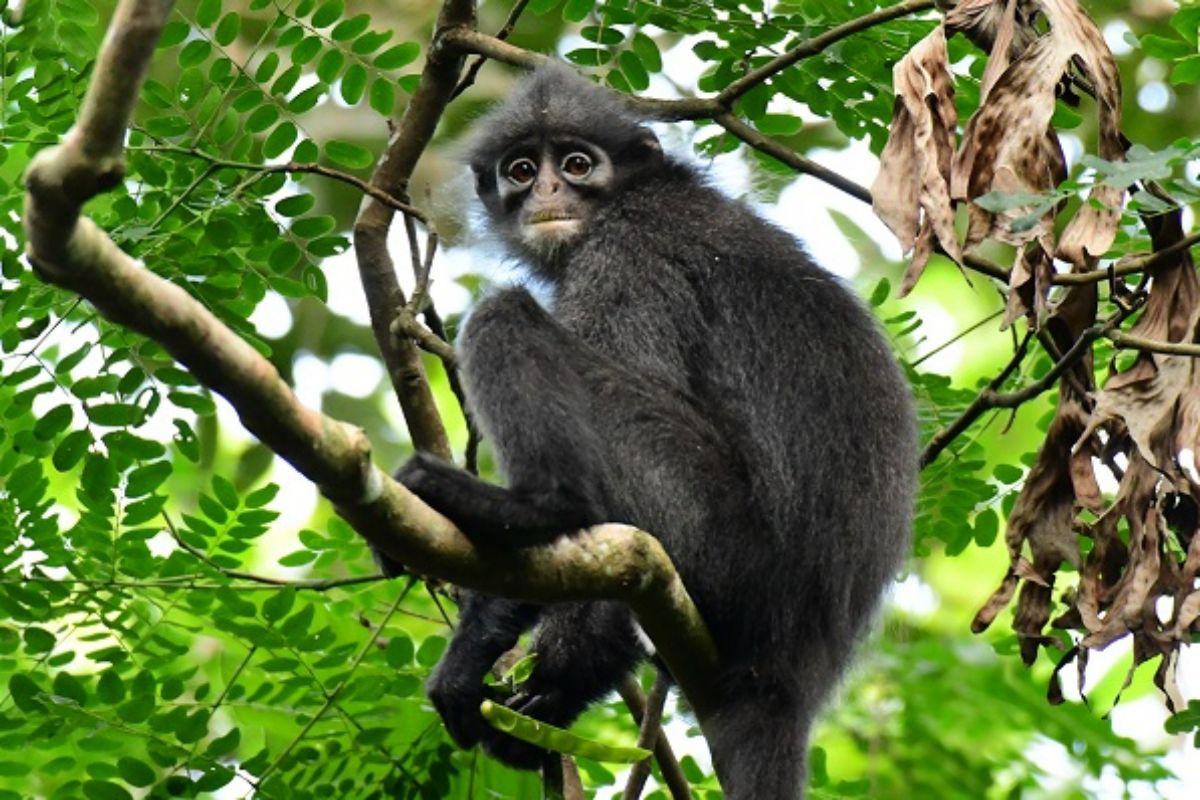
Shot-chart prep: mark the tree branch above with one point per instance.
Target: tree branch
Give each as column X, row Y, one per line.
column 378, row 272
column 651, row 727
column 613, row 562
column 676, row 781
column 815, row 45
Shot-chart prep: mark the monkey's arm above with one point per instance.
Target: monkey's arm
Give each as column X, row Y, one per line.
column 487, row 628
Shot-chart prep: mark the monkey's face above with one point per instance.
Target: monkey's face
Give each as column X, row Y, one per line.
column 547, row 192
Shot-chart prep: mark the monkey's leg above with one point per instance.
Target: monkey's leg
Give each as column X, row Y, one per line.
column 487, row 628
column 528, row 381
column 582, row 652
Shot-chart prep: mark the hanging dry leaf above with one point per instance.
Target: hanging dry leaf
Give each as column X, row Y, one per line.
column 1009, row 147
column 1157, row 400
column 1092, row 230
column 983, row 22
column 1029, row 286
column 1043, row 517
column 911, row 194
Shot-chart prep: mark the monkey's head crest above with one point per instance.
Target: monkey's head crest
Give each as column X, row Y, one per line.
column 553, row 154
column 556, row 100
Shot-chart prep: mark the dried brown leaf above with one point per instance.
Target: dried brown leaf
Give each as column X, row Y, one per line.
column 1029, row 286
column 990, row 22
column 911, row 194
column 1133, row 590
column 1009, row 147
column 1091, row 232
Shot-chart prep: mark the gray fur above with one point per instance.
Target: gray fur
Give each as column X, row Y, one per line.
column 699, row 377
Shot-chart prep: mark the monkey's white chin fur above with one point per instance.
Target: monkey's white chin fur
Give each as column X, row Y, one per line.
column 552, row 233
column 547, row 238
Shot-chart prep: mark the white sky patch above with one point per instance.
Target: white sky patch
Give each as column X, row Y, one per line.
column 355, row 374
column 1155, row 96
column 913, row 596
column 272, row 318
column 1115, row 33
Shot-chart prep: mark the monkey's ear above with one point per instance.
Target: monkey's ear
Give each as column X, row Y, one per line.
column 646, row 145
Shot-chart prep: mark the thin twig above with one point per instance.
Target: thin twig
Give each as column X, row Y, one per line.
column 651, row 727
column 472, row 72
column 673, row 777
column 991, row 398
column 954, row 339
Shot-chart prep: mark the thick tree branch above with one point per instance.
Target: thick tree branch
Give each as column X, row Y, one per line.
column 608, row 562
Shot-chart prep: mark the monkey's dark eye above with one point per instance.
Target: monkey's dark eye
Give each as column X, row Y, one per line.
column 577, row 165
column 521, row 171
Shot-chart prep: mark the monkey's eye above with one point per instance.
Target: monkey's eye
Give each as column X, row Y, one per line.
column 577, row 165
column 521, row 172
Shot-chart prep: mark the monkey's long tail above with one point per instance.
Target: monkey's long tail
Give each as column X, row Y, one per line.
column 759, row 743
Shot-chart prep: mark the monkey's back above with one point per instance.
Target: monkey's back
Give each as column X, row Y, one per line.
column 792, row 371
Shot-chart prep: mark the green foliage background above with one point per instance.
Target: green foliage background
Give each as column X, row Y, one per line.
column 160, row 634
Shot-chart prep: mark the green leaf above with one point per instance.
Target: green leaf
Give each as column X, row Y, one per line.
column 53, row 422
column 430, row 651
column 1165, row 48
column 330, row 65
column 348, row 29
column 602, row 35
column 398, row 56
column 260, row 497
column 228, row 29
column 295, row 205
column 550, row 737
column 277, row 606
column 110, row 688
column 987, row 526
column 68, row 686
column 146, row 479
column 280, row 139
column 354, row 83
column 383, row 96
column 577, row 10
column 348, row 155
column 880, row 293
column 104, row 790
column 329, row 13
column 648, row 52
column 24, row 692
column 174, row 32
column 135, row 772
column 298, row 558
column 589, row 57
column 306, row 50
column 114, row 415
column 635, row 73
column 1007, row 473
column 207, row 12
column 194, row 52
column 1186, row 71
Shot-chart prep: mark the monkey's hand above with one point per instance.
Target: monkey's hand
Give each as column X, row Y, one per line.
column 457, row 700
column 549, row 706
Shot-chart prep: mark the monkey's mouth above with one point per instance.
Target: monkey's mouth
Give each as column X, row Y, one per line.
column 550, row 217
